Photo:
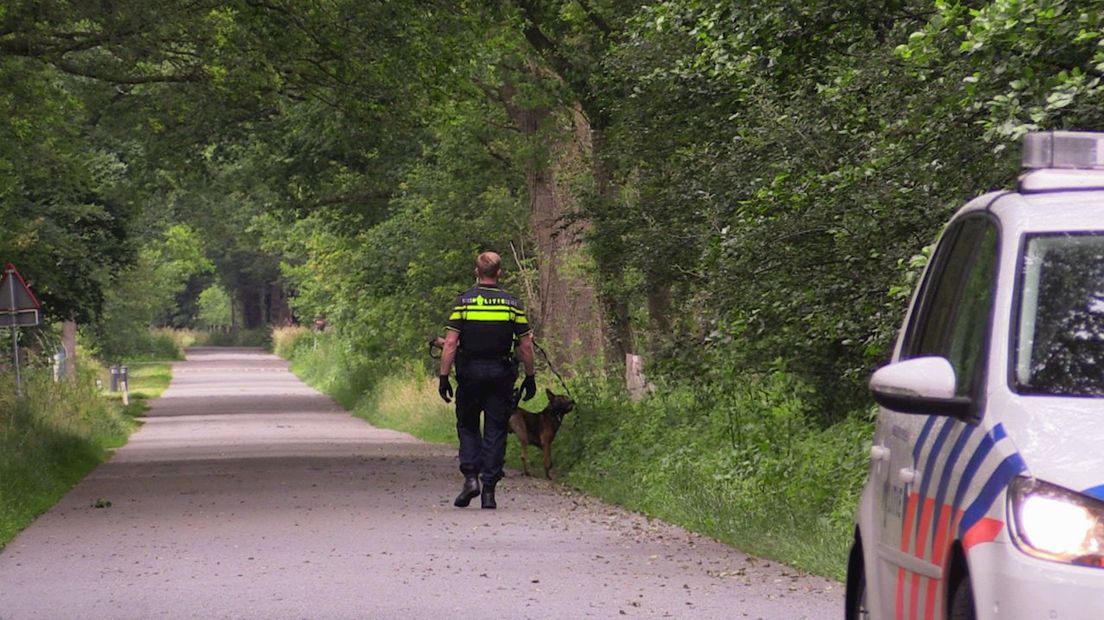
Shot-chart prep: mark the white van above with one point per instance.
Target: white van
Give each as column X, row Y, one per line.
column 985, row 497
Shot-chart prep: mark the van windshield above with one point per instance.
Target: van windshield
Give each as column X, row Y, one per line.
column 1060, row 334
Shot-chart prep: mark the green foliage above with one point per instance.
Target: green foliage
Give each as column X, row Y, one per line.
column 146, row 292
column 65, row 227
column 215, row 311
column 746, row 464
column 329, row 364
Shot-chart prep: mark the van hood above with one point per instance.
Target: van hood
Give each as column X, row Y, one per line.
column 1060, row 439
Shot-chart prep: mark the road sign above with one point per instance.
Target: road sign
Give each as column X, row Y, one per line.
column 20, row 318
column 18, row 307
column 15, row 296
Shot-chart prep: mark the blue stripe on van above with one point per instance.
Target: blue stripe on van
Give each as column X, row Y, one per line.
column 945, row 479
column 1095, row 492
column 1008, row 469
column 919, row 445
column 989, row 440
column 933, row 456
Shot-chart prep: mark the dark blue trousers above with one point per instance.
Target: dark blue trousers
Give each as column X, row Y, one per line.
column 484, row 387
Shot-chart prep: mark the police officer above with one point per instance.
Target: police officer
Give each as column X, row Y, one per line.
column 485, row 329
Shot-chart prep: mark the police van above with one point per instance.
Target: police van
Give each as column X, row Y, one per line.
column 985, row 497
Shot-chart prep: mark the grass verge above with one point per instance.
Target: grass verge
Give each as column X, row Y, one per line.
column 746, row 462
column 56, row 433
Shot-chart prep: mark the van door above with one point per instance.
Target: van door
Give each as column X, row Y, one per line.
column 951, row 320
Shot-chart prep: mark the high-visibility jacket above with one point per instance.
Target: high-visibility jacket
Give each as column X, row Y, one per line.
column 489, row 320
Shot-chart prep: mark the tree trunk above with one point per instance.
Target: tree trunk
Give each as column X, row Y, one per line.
column 253, row 307
column 235, row 314
column 567, row 312
column 279, row 313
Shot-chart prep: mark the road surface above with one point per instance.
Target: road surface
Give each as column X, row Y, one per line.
column 247, row 494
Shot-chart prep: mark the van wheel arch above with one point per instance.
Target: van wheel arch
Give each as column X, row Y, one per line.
column 856, row 580
column 958, row 593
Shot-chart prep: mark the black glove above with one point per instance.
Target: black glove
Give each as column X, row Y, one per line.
column 445, row 389
column 529, row 387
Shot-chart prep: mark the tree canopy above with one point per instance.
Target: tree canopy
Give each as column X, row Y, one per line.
column 716, row 185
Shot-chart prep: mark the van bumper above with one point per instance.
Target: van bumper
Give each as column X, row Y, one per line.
column 1008, row 584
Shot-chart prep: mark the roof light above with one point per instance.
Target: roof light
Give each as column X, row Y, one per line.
column 1063, row 149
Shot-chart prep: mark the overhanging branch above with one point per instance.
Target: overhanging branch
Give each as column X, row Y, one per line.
column 73, row 68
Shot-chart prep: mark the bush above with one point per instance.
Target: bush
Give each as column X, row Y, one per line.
column 161, row 343
column 746, row 466
column 333, row 366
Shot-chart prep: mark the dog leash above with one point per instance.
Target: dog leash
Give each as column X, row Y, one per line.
column 548, row 362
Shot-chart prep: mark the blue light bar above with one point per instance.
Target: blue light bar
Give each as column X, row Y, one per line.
column 1080, row 150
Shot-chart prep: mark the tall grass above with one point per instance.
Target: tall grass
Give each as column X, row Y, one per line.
column 408, row 401
column 165, row 343
column 746, row 467
column 396, row 396
column 155, row 343
column 51, row 437
column 745, row 462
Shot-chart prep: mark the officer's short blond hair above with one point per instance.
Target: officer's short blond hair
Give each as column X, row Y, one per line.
column 488, row 264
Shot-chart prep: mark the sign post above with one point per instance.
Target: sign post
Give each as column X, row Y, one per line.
column 18, row 306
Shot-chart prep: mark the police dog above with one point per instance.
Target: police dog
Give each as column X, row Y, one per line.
column 529, row 426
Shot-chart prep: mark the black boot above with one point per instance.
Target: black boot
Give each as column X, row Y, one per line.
column 467, row 492
column 487, row 500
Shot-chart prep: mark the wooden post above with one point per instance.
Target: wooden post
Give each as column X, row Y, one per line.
column 69, row 344
column 637, row 385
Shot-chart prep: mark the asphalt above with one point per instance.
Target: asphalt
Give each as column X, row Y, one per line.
column 247, row 494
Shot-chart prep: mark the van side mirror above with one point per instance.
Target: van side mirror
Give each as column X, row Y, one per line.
column 922, row 385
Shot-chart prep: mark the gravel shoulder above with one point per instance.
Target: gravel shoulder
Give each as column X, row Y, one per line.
column 247, row 494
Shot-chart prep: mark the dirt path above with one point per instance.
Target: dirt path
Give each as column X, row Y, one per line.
column 249, row 495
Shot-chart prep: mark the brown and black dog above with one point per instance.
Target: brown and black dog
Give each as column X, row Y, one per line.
column 541, row 426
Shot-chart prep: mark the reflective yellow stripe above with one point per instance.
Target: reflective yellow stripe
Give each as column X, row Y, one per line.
column 500, row 313
column 499, row 317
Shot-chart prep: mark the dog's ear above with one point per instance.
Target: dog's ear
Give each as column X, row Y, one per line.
column 549, row 393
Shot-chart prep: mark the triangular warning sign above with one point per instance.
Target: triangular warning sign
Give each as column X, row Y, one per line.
column 12, row 287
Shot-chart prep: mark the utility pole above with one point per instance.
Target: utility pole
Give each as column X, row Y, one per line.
column 14, row 326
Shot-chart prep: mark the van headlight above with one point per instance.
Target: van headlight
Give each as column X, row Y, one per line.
column 1056, row 524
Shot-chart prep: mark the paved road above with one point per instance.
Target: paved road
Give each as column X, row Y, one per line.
column 247, row 494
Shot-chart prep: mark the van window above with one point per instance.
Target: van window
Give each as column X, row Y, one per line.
column 954, row 317
column 1060, row 328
